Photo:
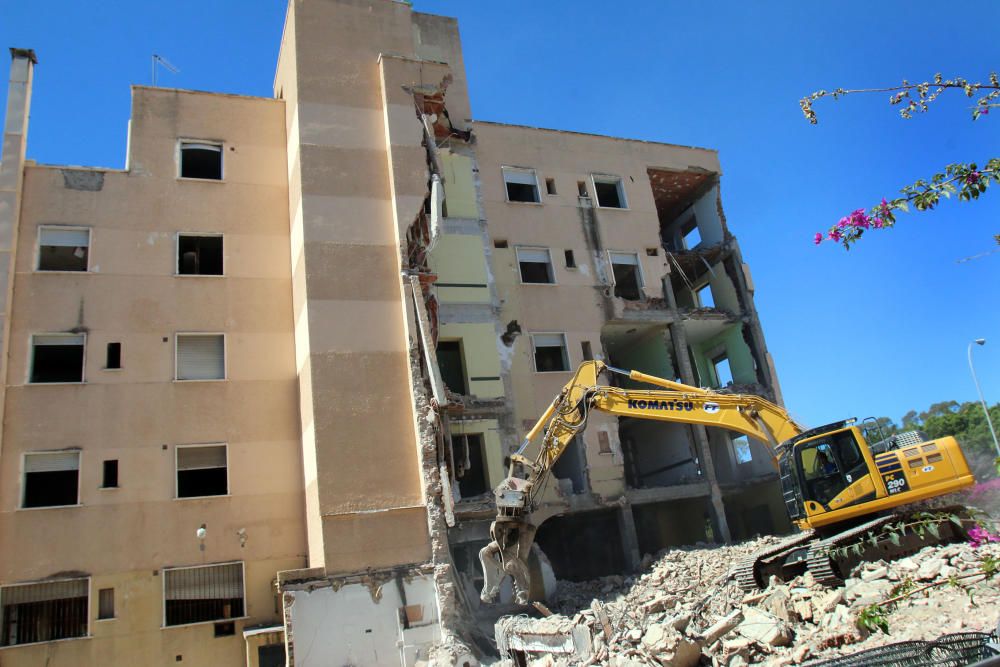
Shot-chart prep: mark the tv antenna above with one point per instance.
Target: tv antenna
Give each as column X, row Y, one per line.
column 160, row 60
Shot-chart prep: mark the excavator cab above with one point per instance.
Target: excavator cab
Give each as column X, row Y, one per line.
column 830, row 464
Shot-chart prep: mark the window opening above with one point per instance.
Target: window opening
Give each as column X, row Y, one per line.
column 723, row 372
column 63, row 249
column 570, row 466
column 704, row 296
column 51, row 479
column 550, row 352
column 110, row 477
column 114, row 357
column 581, row 188
column 691, row 235
column 199, row 255
column 570, row 260
column 200, row 594
column 588, row 353
column 535, row 265
column 452, row 365
column 550, row 186
column 57, row 358
column 44, row 612
column 500, row 243
column 652, row 252
column 201, row 357
column 201, row 160
column 470, row 463
column 741, row 448
column 522, row 185
column 106, row 603
column 227, row 629
column 628, row 282
column 610, row 192
column 202, row 471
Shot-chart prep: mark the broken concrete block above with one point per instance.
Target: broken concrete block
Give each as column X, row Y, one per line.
column 671, row 647
column 779, row 604
column 804, row 609
column 722, row 627
column 877, row 573
column 764, row 628
column 907, row 565
column 828, row 602
column 930, row 569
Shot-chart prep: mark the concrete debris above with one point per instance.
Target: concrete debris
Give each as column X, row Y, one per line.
column 685, row 608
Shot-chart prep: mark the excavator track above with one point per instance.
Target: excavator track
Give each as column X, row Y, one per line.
column 749, row 573
column 831, row 569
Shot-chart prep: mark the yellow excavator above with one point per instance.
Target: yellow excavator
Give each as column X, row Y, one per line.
column 838, row 488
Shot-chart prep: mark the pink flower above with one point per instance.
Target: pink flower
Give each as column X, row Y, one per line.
column 859, row 219
column 978, row 536
column 818, row 238
column 834, row 235
column 843, row 222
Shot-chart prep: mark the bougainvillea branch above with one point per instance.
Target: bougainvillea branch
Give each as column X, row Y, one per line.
column 967, row 181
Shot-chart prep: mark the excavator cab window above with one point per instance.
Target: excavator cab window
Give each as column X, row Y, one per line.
column 830, row 464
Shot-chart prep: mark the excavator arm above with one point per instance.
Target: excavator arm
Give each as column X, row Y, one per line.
column 514, row 529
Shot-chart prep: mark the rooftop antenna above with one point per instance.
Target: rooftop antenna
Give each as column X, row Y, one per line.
column 160, row 60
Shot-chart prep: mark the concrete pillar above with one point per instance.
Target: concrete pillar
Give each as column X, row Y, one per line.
column 630, row 538
column 15, row 141
column 679, row 337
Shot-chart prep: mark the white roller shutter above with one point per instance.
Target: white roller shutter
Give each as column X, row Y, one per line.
column 215, row 148
column 624, row 258
column 71, row 238
column 522, row 176
column 214, row 582
column 533, row 255
column 201, row 458
column 43, row 592
column 548, row 340
column 57, row 339
column 201, row 357
column 52, row 462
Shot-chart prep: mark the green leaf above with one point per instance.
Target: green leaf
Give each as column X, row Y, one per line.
column 894, row 538
column 903, row 206
column 934, row 530
column 955, row 520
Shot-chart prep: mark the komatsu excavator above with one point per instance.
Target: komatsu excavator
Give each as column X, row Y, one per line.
column 837, row 487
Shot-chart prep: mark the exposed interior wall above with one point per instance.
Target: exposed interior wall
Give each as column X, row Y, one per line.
column 493, row 455
column 757, row 509
column 584, row 545
column 658, row 453
column 672, row 524
column 741, row 361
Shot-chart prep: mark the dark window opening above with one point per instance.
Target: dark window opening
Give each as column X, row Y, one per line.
column 62, row 249
column 201, row 161
column 652, row 252
column 106, row 603
column 550, row 353
column 199, row 255
column 470, row 464
column 225, row 629
column 581, row 188
column 550, row 186
column 521, row 185
column 535, row 266
column 570, row 260
column 202, row 471
column 272, row 655
column 609, row 194
column 500, row 243
column 627, row 280
column 451, row 364
column 44, row 612
column 570, row 467
column 57, row 359
column 110, row 478
column 597, row 534
column 51, row 488
column 200, row 594
column 114, row 357
column 588, row 353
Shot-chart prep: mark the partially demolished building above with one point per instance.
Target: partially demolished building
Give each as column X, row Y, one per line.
column 259, row 383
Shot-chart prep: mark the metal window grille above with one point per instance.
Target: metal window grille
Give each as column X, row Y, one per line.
column 44, row 612
column 199, row 594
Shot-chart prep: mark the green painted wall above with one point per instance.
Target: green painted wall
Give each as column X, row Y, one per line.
column 740, row 358
column 460, row 263
column 648, row 355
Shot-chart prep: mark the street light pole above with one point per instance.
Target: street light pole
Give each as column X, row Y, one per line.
column 982, row 341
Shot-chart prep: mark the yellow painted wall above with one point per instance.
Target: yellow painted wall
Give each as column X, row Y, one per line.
column 460, row 264
column 459, row 188
column 490, row 430
column 479, row 351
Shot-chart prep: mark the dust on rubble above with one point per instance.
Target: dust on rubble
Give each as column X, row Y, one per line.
column 686, row 609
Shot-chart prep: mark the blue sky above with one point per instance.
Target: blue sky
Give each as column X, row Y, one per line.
column 875, row 331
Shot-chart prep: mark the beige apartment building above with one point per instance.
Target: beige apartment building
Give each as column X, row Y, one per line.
column 258, row 384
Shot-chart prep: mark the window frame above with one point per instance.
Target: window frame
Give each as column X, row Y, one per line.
column 520, row 276
column 601, row 177
column 163, row 593
column 565, row 349
column 177, row 471
column 24, row 485
column 225, row 355
column 38, row 247
column 31, row 359
column 90, row 608
column 177, row 252
column 114, row 606
column 179, row 159
column 640, row 276
column 512, row 168
column 736, row 456
column 698, row 292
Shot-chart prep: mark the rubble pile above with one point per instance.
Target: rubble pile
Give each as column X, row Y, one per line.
column 686, row 609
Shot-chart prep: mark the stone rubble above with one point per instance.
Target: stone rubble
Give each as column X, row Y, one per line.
column 685, row 609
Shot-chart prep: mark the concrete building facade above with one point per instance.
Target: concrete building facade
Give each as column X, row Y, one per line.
column 259, row 384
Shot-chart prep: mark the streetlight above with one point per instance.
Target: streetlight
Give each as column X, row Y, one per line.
column 982, row 341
